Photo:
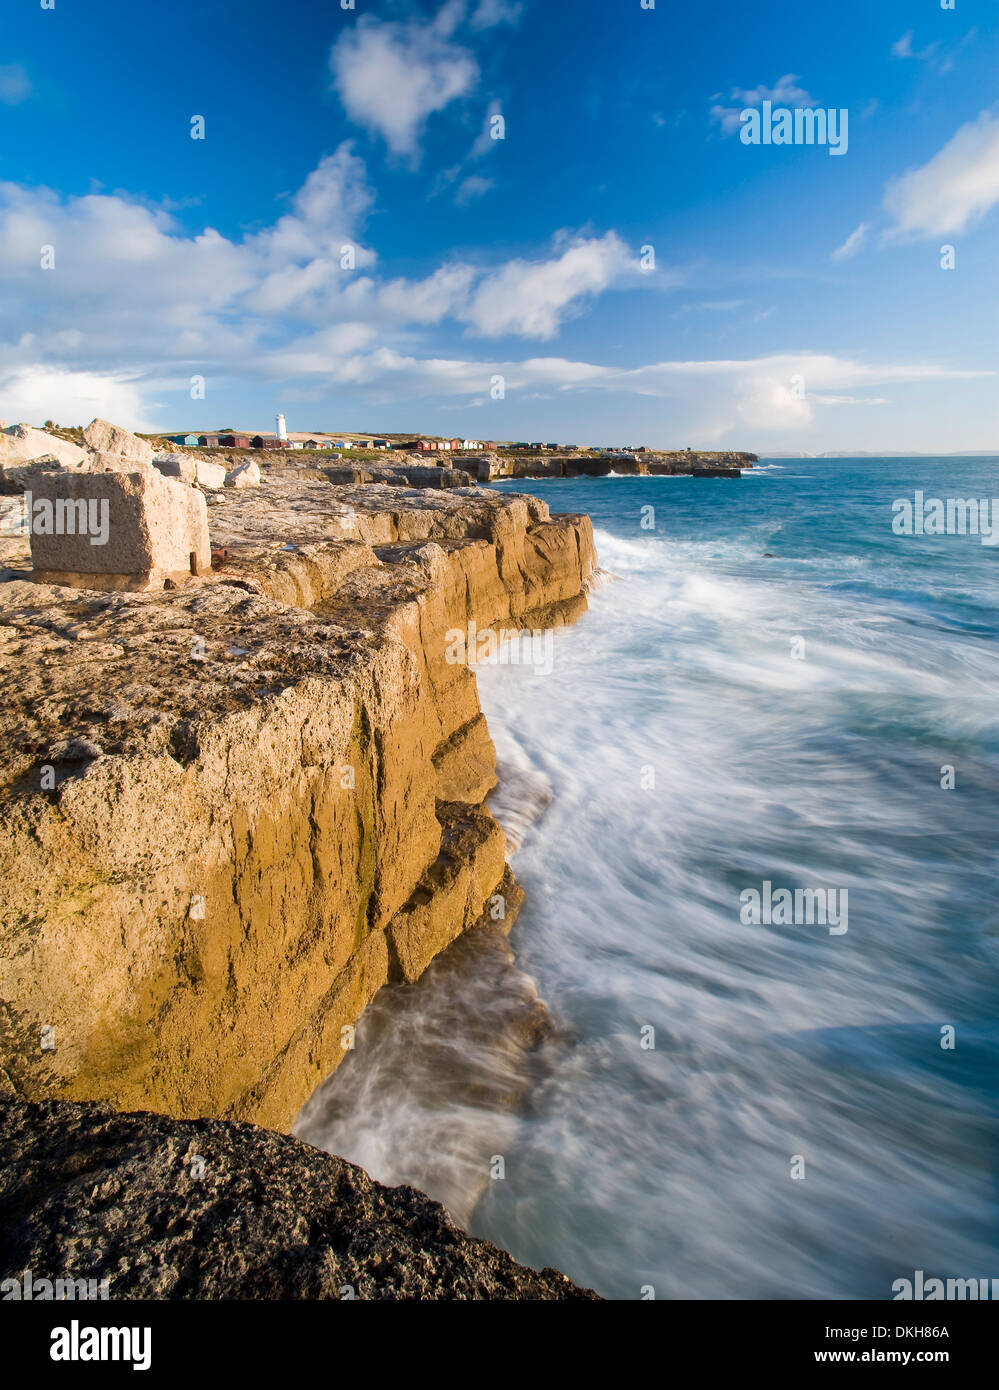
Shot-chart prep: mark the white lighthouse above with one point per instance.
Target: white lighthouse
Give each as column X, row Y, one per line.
column 282, row 429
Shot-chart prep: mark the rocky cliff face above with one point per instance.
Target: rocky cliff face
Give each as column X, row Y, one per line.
column 680, row 463
column 203, row 1209
column 233, row 810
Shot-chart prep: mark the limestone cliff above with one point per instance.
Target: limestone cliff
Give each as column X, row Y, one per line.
column 678, row 463
column 233, row 810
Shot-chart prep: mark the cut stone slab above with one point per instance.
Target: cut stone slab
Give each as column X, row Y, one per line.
column 209, row 473
column 116, row 530
column 105, row 438
column 114, row 463
column 244, row 475
column 182, row 466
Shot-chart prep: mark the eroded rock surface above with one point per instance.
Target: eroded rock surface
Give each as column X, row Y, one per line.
column 21, row 444
column 89, row 1193
column 233, row 810
column 104, row 438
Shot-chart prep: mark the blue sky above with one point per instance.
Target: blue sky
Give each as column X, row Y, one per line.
column 796, row 301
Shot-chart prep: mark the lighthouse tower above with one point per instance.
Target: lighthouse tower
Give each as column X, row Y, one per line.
column 282, row 429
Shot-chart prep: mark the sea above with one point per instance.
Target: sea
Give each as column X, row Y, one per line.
column 754, row 808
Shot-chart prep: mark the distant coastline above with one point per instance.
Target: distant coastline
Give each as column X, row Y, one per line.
column 885, row 454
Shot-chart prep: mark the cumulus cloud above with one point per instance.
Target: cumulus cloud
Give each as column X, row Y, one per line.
column 429, row 300
column 954, row 189
column 531, row 298
column 37, row 392
column 784, row 92
column 132, row 289
column 520, row 298
column 771, row 403
column 774, row 393
column 128, row 285
column 392, row 75
column 136, row 305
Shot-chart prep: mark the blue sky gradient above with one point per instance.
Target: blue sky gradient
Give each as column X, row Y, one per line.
column 797, row 299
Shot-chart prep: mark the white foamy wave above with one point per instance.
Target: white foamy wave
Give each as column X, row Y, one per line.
column 714, row 721
column 522, row 794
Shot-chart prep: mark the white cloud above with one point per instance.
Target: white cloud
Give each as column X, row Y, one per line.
column 531, row 298
column 36, row 392
column 773, row 393
column 959, row 185
column 392, row 76
column 120, row 262
column 776, row 394
column 937, row 55
column 785, row 92
column 15, row 84
column 431, row 300
column 472, row 187
column 488, row 13
column 136, row 305
column 131, row 289
column 520, row 298
column 485, row 142
column 853, row 243
column 772, row 403
column 902, row 48
column 742, row 403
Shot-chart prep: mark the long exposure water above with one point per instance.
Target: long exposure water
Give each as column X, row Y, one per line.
column 776, row 688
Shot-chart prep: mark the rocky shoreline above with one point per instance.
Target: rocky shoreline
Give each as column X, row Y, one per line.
column 204, row 1209
column 240, row 802
column 682, row 463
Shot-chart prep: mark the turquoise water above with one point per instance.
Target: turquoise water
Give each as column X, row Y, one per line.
column 768, row 691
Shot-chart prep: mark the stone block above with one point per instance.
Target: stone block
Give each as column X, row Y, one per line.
column 246, row 474
column 181, row 466
column 116, row 530
column 210, row 474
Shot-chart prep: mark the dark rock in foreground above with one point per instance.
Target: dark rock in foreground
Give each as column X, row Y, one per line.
column 86, row 1192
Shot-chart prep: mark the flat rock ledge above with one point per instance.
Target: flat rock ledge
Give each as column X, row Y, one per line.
column 86, row 1192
